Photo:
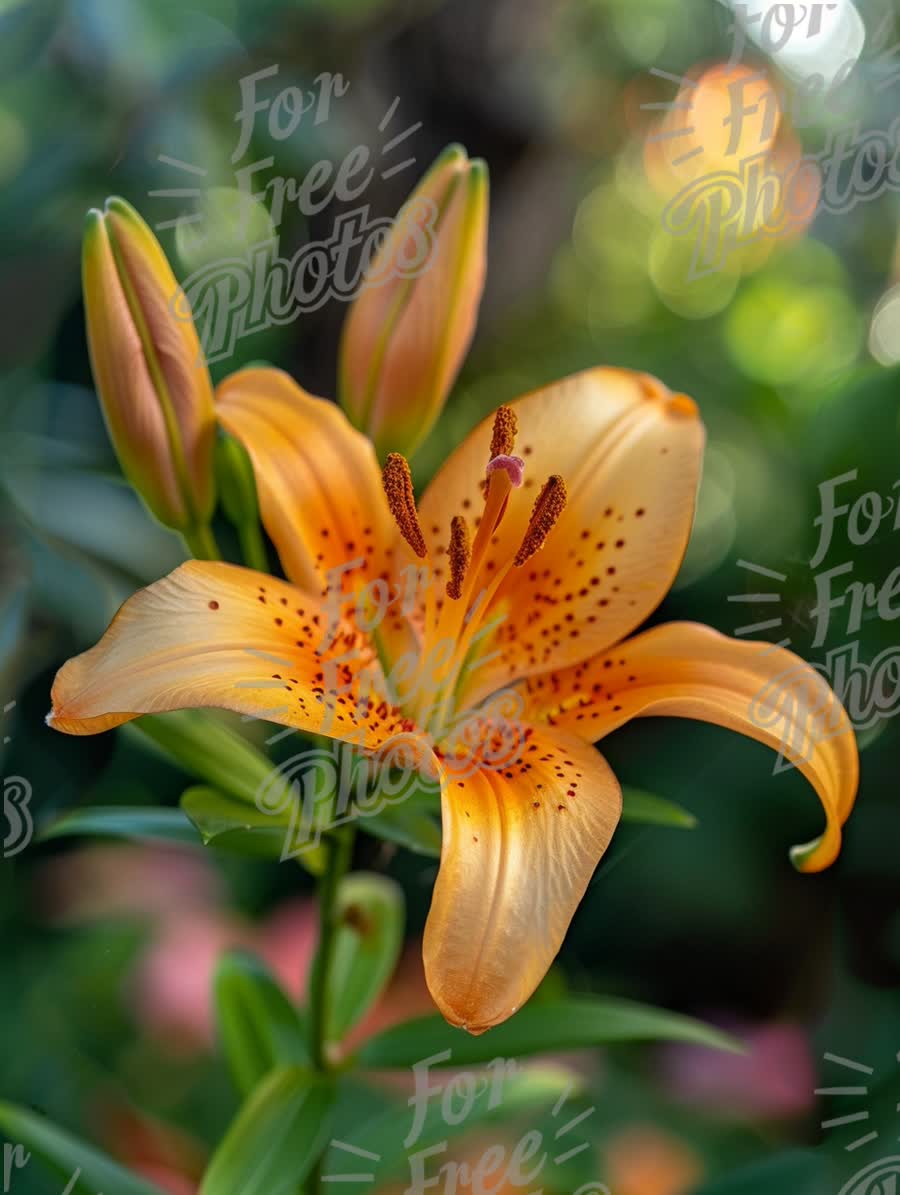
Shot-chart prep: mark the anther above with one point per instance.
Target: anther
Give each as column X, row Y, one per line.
column 548, row 506
column 503, row 437
column 397, row 481
column 459, row 555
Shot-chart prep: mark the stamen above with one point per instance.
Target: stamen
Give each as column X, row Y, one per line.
column 513, row 466
column 503, row 438
column 459, row 555
column 548, row 506
column 397, row 481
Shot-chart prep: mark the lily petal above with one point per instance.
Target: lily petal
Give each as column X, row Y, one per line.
column 629, row 452
column 319, row 484
column 321, row 498
column 519, row 848
column 219, row 635
column 686, row 670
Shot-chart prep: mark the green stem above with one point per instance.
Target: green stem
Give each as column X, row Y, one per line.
column 339, row 845
column 201, row 543
column 253, row 549
column 340, row 850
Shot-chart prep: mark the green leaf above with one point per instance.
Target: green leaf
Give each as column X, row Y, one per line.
column 206, row 747
column 408, row 825
column 258, row 1025
column 64, row 1156
column 794, row 1172
column 639, row 806
column 225, row 823
column 276, row 1137
column 392, row 1140
column 143, row 823
column 367, row 945
column 568, row 1024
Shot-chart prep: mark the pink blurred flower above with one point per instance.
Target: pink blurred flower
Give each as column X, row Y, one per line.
column 776, row 1078
column 287, row 940
column 171, row 987
column 98, row 882
column 179, row 894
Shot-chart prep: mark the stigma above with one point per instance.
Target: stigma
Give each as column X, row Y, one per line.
column 513, row 466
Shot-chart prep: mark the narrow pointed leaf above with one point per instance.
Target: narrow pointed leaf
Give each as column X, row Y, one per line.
column 640, row 806
column 569, row 1024
column 258, row 1025
column 204, row 745
column 275, row 1138
column 207, row 747
column 135, row 822
column 407, row 825
column 231, row 825
column 67, row 1159
column 390, row 1142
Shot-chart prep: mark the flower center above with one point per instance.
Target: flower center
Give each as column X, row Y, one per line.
column 454, row 626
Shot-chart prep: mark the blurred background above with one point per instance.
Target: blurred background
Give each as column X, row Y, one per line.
column 778, row 309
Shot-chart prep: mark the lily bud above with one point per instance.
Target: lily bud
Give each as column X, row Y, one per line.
column 410, row 324
column 149, row 368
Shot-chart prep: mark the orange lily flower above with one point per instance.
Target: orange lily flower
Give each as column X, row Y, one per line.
column 545, row 540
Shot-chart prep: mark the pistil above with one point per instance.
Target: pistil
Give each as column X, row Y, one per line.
column 449, row 634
